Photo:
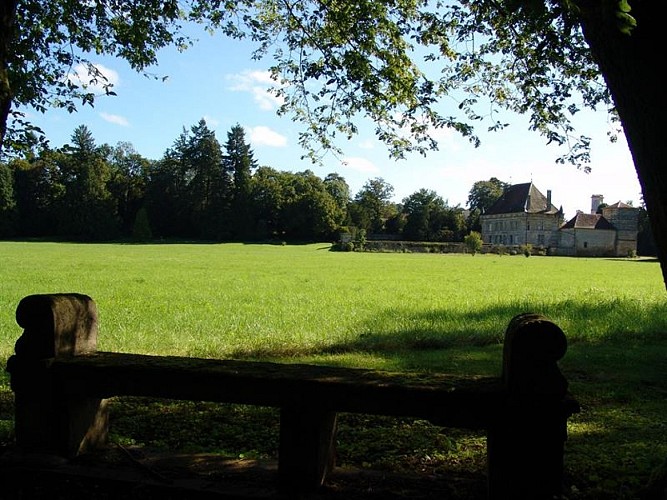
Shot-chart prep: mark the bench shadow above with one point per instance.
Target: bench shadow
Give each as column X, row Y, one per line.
column 474, row 336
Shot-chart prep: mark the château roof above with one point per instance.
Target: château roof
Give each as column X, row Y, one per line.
column 620, row 204
column 587, row 221
column 522, row 198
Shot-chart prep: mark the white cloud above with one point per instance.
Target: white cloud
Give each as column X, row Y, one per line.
column 360, row 164
column 264, row 136
column 115, row 119
column 367, row 144
column 91, row 82
column 263, row 77
column 257, row 83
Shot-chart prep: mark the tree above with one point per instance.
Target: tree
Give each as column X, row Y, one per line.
column 141, row 230
column 423, row 211
column 7, row 202
column 87, row 210
column 188, row 191
column 162, row 198
column 268, row 202
column 309, row 212
column 338, row 188
column 39, row 191
column 482, row 195
column 239, row 162
column 473, row 242
column 371, row 205
column 208, row 184
column 336, row 61
column 645, row 239
column 127, row 183
column 452, row 223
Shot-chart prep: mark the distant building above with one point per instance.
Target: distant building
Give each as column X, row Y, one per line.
column 611, row 233
column 524, row 215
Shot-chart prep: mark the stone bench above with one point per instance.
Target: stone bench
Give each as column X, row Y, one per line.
column 61, row 381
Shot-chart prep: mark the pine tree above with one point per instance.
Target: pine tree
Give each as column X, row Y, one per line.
column 239, row 161
column 87, row 211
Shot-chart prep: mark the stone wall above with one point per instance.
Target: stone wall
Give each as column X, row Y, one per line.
column 587, row 242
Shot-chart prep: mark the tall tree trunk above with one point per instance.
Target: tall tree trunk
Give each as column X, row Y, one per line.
column 630, row 65
column 7, row 15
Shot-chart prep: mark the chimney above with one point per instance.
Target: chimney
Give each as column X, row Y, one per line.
column 596, row 201
column 548, row 199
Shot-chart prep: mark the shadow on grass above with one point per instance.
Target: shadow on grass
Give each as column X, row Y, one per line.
column 399, row 332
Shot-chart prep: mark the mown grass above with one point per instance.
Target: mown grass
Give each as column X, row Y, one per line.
column 388, row 311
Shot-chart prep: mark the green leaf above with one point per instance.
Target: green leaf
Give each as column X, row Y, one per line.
column 624, row 6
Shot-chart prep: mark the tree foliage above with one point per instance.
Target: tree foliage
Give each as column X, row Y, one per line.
column 473, row 242
column 38, row 189
column 481, row 197
column 372, row 205
column 428, row 218
column 334, row 61
column 86, row 208
column 395, row 62
column 127, row 182
column 7, row 203
column 238, row 161
column 208, row 183
column 483, row 194
column 338, row 188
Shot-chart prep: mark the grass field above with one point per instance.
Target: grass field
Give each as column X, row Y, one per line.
column 389, row 311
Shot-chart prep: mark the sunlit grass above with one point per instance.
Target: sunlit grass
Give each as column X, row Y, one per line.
column 276, row 301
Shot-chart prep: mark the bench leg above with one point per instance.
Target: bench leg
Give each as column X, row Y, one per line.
column 307, row 448
column 48, row 421
column 525, row 456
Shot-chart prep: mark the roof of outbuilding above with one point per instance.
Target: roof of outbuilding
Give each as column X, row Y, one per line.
column 522, row 198
column 620, row 204
column 587, row 221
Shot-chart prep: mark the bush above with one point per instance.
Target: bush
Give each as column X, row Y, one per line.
column 360, row 240
column 473, row 242
column 527, row 249
column 343, row 246
column 500, row 250
column 141, row 231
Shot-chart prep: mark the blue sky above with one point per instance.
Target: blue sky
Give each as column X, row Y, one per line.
column 217, row 80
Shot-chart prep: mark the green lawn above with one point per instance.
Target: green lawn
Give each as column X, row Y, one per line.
column 254, row 300
column 390, row 311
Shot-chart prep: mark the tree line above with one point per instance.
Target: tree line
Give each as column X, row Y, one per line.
column 204, row 190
